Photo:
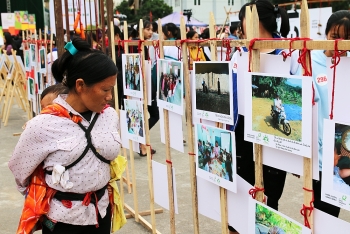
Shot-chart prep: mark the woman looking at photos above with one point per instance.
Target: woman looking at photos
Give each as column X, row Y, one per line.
column 274, row 179
column 73, row 141
column 195, row 52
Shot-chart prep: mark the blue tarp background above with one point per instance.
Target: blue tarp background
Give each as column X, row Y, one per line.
column 293, row 112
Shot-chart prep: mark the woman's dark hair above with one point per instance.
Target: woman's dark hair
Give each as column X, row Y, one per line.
column 268, row 14
column 56, row 89
column 92, row 66
column 9, row 41
column 205, row 34
column 135, row 29
column 190, row 34
column 117, row 31
column 337, row 19
column 155, row 27
column 173, row 29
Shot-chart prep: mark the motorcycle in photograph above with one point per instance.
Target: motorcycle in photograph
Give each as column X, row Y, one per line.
column 283, row 120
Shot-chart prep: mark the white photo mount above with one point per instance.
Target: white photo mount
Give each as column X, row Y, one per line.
column 173, row 70
column 209, row 85
column 135, row 120
column 132, row 67
column 215, row 169
column 285, row 143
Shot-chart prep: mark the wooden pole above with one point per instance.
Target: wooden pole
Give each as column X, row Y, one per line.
column 253, row 24
column 223, row 191
column 67, row 18
column 147, row 134
column 126, row 51
column 167, row 150
column 190, row 140
column 59, row 27
column 308, row 196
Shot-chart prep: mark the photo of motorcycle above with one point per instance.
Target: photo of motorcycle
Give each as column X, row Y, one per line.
column 280, row 118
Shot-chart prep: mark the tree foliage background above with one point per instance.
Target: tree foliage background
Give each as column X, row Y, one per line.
column 158, row 8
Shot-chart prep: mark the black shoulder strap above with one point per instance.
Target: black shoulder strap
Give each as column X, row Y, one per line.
column 89, row 144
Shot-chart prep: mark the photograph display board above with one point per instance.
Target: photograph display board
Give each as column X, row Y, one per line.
column 263, row 219
column 170, row 85
column 215, row 156
column 336, row 163
column 132, row 75
column 279, row 112
column 135, row 120
column 213, row 99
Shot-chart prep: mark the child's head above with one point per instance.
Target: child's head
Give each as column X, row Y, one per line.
column 171, row 31
column 50, row 93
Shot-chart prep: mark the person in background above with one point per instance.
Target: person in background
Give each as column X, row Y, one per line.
column 274, row 179
column 155, row 35
column 338, row 27
column 206, row 35
column 233, row 33
column 18, row 42
column 51, row 57
column 153, row 108
column 119, row 51
column 9, row 43
column 196, row 53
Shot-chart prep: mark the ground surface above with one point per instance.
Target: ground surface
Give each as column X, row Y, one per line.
column 262, row 120
column 11, row 200
column 213, row 102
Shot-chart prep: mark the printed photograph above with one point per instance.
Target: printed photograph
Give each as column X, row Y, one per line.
column 42, row 60
column 32, row 49
column 269, row 221
column 170, row 82
column 31, row 19
column 132, row 71
column 27, row 60
column 212, row 87
column 277, row 106
column 341, row 173
column 214, row 151
column 31, row 88
column 134, row 117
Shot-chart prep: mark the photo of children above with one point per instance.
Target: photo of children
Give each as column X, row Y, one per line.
column 215, row 156
column 341, row 176
column 277, row 106
column 213, row 91
column 132, row 75
column 135, row 120
column 170, row 85
column 267, row 220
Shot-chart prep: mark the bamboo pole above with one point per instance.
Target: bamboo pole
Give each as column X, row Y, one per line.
column 190, row 140
column 147, row 134
column 223, row 191
column 252, row 22
column 308, row 196
column 167, row 149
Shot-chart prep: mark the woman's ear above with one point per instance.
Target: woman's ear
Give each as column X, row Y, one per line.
column 79, row 85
